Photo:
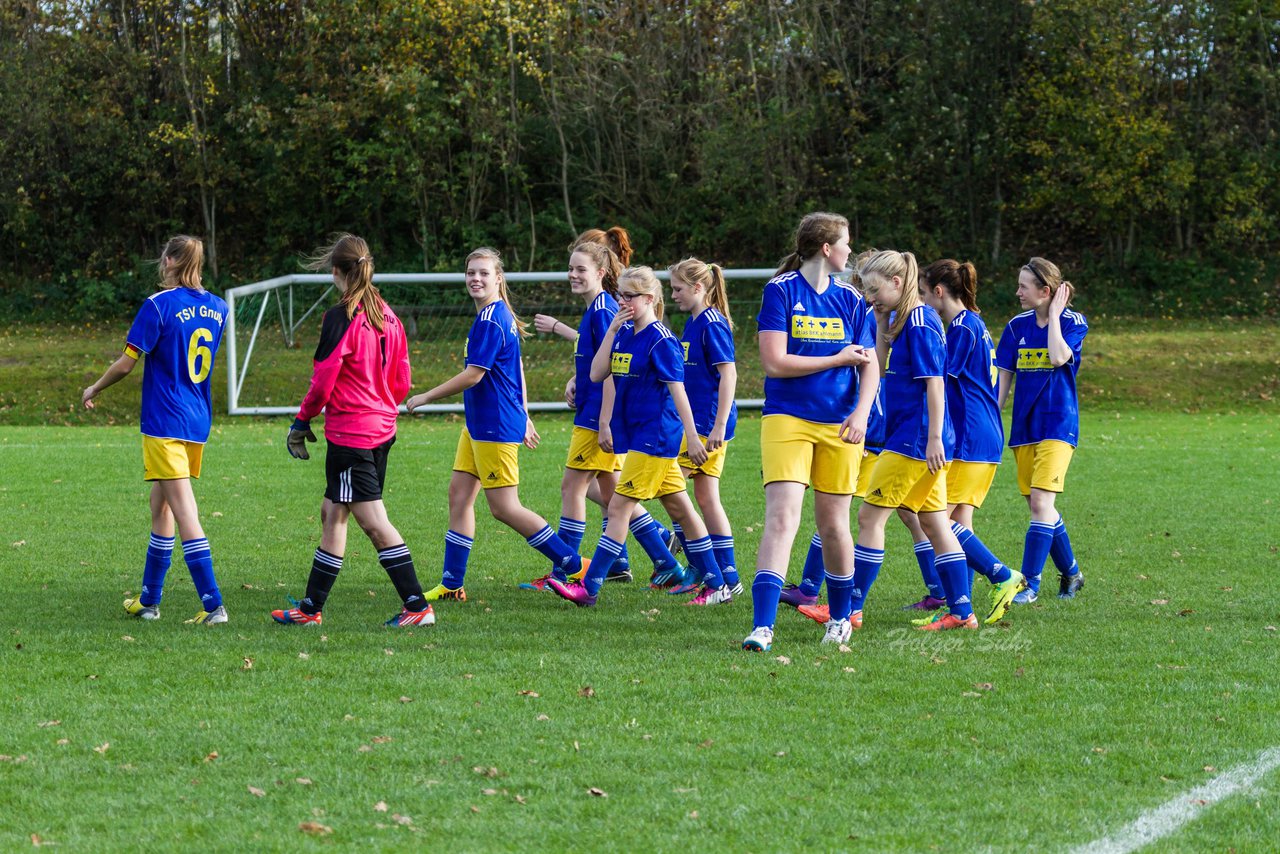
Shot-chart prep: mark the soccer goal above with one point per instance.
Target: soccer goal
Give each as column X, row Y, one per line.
column 273, row 326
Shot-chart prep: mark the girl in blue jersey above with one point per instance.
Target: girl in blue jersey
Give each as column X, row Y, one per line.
column 814, row 331
column 711, row 381
column 1039, row 354
column 178, row 330
column 593, row 275
column 650, row 410
column 918, row 443
column 951, row 289
column 493, row 395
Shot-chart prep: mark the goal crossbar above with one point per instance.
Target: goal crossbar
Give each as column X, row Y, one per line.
column 281, row 287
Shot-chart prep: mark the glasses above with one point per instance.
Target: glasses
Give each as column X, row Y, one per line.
column 626, row 297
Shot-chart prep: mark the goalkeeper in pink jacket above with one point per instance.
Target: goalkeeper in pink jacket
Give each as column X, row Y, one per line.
column 361, row 374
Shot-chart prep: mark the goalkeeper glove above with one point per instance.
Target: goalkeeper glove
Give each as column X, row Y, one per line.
column 299, row 434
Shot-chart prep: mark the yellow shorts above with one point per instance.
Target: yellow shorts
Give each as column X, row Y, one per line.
column 585, row 453
column 969, row 483
column 494, row 464
column 810, row 453
column 1043, row 465
column 713, row 467
column 644, row 477
column 170, row 459
column 864, row 473
column 899, row 481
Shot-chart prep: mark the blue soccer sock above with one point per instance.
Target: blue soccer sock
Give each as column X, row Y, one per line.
column 457, row 551
column 924, row 557
column 979, row 557
column 398, row 563
column 602, row 561
column 840, row 595
column 815, row 571
column 1064, row 557
column 564, row 560
column 624, row 559
column 765, row 590
column 159, row 556
column 724, row 556
column 200, row 565
column 572, row 531
column 702, row 556
column 646, row 531
column 866, row 566
column 1035, row 550
column 324, row 572
column 953, row 569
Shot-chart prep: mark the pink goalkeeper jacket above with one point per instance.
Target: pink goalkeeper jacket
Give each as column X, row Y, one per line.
column 360, row 377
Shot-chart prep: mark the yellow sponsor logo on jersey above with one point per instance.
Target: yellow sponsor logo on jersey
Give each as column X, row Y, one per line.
column 685, row 345
column 621, row 363
column 817, row 328
column 1030, row 359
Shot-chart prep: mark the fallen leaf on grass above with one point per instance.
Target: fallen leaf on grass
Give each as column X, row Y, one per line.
column 704, row 745
column 64, row 741
column 304, row 656
column 781, row 753
column 382, row 739
column 586, row 691
column 102, row 749
column 542, row 718
column 844, row 647
column 44, row 724
column 597, row 792
column 489, row 772
column 1100, row 750
column 302, row 781
column 520, row 799
column 1210, row 768
column 693, row 814
column 364, row 748
column 212, row 755
column 248, row 664
column 1269, row 629
column 970, row 694
column 126, row 637
column 475, row 809
column 402, row 820
column 526, row 693
column 315, row 828
column 782, row 659
column 984, row 686
column 389, row 651
column 406, row 699
column 19, row 544
column 380, row 806
column 1159, row 601
column 256, row 792
column 849, row 670
column 488, row 791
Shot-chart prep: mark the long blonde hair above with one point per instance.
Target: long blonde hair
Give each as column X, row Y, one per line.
column 643, row 281
column 886, row 264
column 186, row 262
column 489, row 252
column 350, row 258
column 711, row 277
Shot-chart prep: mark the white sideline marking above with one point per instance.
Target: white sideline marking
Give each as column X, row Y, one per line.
column 1165, row 819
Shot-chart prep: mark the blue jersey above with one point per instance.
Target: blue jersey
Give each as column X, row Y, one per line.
column 1045, row 405
column 591, row 331
column 875, row 421
column 816, row 324
column 917, row 353
column 495, row 405
column 644, row 415
column 179, row 330
column 971, row 390
column 708, row 342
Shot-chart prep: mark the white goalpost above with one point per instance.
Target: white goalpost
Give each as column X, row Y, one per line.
column 298, row 297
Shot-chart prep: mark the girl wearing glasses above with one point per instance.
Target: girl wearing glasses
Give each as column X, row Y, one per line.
column 651, row 412
column 1039, row 354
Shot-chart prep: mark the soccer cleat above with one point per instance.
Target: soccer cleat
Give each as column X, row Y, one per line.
column 931, row 618
column 582, row 572
column 685, row 588
column 296, row 617
column 1069, row 584
column 425, row 617
column 573, row 591
column 760, row 639
column 673, row 543
column 737, row 589
column 435, row 594
column 135, row 608
column 1025, row 597
column 216, row 617
column 675, row 576
column 951, row 621
column 928, row 603
column 838, row 631
column 712, row 596
column 621, row 576
column 817, row 613
column 539, row 583
column 792, row 596
column 1002, row 596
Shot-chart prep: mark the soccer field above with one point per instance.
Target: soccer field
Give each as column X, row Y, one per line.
column 522, row 723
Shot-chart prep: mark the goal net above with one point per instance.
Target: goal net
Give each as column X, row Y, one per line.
column 274, row 324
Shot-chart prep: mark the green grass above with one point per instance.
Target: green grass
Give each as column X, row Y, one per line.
column 1207, row 366
column 1051, row 730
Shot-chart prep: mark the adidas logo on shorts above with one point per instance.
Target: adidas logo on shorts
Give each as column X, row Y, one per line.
column 493, row 476
column 877, row 493
column 629, row 485
column 579, row 459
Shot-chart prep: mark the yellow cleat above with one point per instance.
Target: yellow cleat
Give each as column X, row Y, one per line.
column 440, row 592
